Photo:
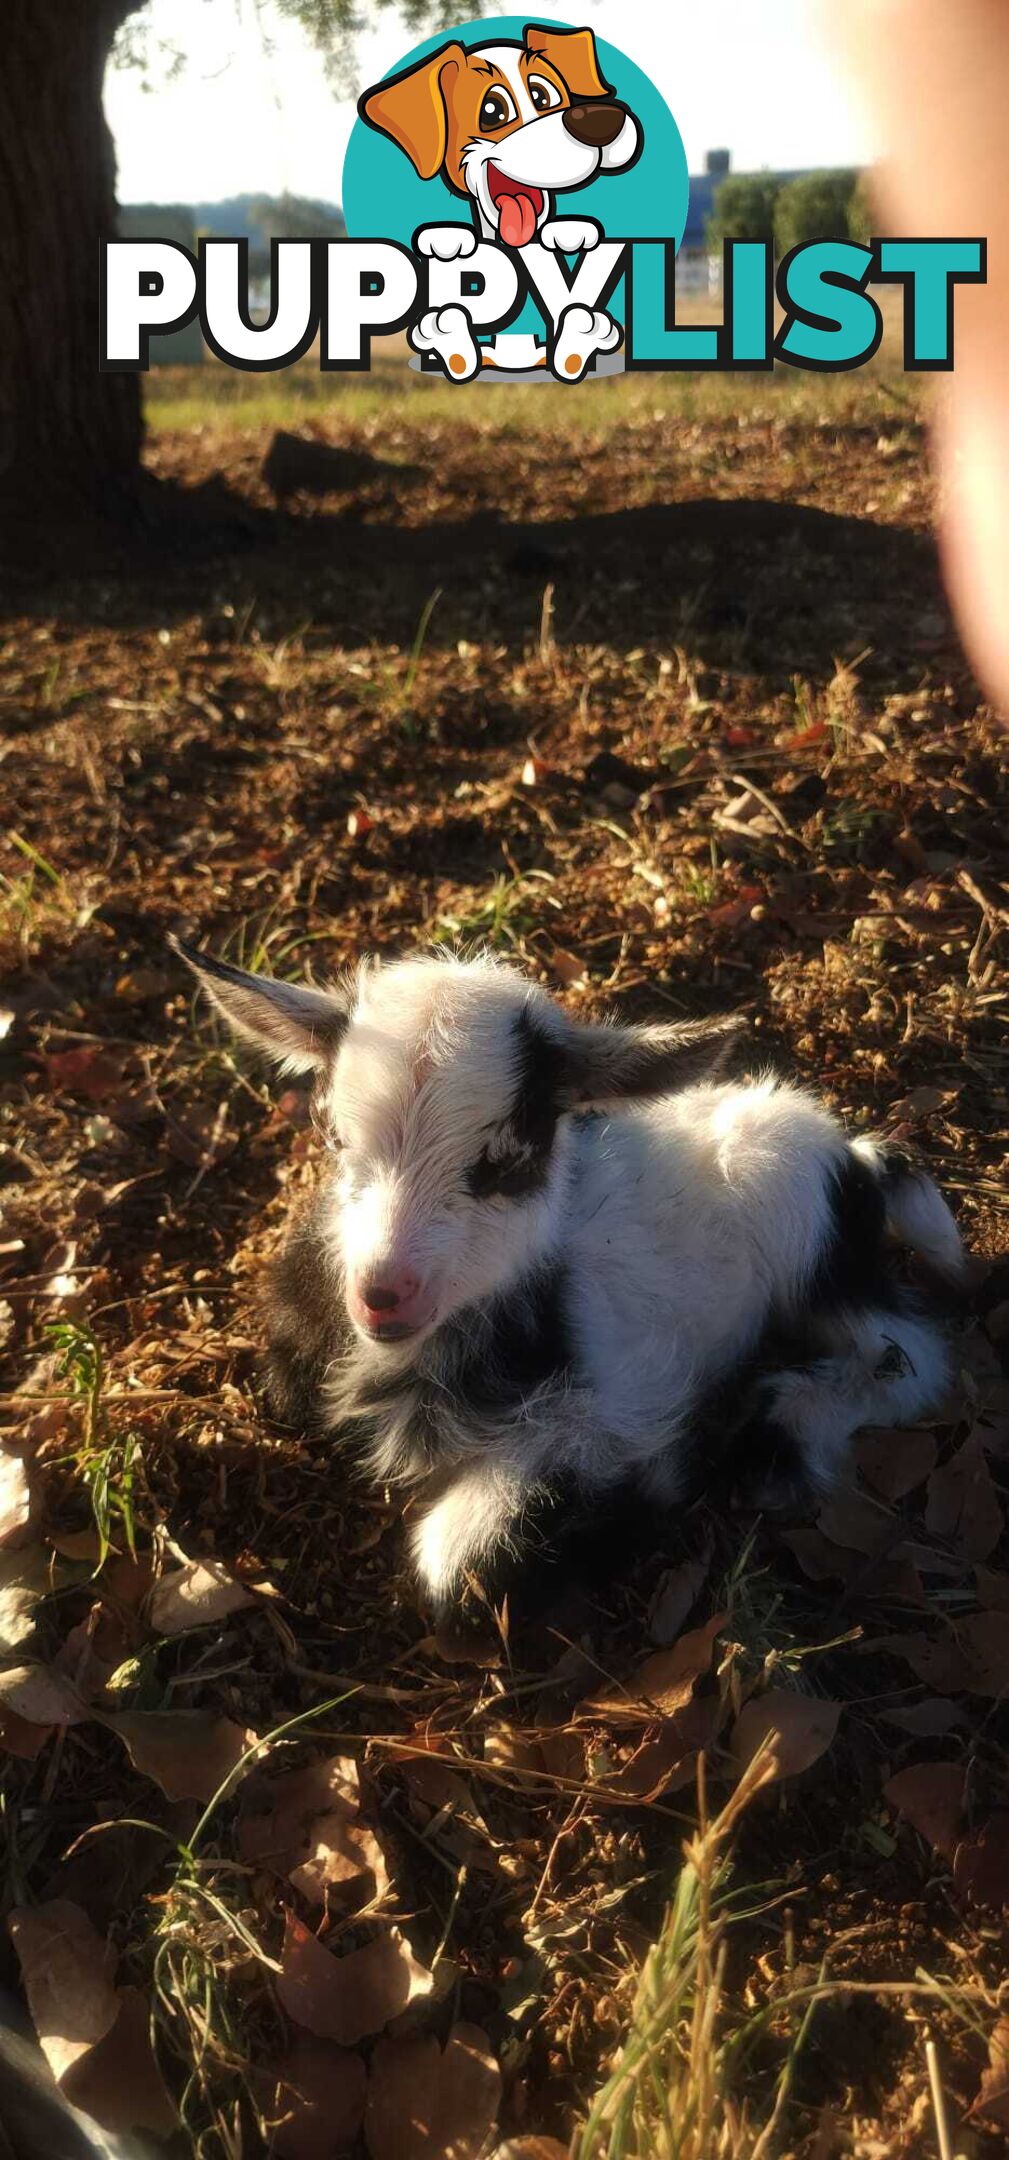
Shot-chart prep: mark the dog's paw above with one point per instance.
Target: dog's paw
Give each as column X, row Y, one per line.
column 570, row 236
column 446, row 242
column 447, row 333
column 582, row 333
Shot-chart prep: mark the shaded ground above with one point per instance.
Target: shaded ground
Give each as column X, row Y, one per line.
column 656, row 688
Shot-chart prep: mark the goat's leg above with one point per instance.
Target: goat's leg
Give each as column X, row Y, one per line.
column 893, row 1368
column 478, row 1512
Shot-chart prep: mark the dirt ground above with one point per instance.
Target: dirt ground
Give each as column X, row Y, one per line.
column 654, row 686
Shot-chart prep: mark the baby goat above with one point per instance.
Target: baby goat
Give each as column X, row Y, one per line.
column 556, row 1251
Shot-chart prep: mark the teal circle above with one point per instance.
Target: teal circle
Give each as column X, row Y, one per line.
column 385, row 199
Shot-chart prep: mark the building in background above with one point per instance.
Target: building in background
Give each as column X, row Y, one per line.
column 698, row 269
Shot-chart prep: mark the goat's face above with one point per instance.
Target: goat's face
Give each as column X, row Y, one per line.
column 442, row 1090
column 443, row 1102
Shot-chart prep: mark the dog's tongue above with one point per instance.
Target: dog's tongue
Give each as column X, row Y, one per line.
column 516, row 219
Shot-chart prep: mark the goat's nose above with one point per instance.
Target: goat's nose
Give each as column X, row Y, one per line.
column 597, row 124
column 380, row 1296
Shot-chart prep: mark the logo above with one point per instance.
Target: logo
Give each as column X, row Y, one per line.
column 515, row 194
column 503, row 158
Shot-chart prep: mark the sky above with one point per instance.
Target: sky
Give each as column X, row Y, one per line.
column 752, row 75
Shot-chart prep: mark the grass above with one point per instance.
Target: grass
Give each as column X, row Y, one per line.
column 703, row 2075
column 108, row 1465
column 37, row 902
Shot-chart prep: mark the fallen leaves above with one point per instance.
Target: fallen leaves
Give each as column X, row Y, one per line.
column 15, row 1497
column 118, row 2081
column 346, row 1998
column 189, row 1753
column 930, row 1719
column 317, row 2101
column 676, row 1594
column 895, row 1461
column 196, row 1595
column 981, row 1863
column 429, row 2103
column 665, row 1682
column 930, row 1795
column 92, row 1072
column 963, row 1504
column 799, row 1728
column 307, row 1826
column 993, row 2093
column 973, row 1660
column 41, row 1695
column 67, row 1973
column 24, row 1576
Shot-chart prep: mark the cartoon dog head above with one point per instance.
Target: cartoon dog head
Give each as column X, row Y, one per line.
column 508, row 124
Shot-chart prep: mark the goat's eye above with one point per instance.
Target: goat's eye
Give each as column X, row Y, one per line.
column 506, row 1177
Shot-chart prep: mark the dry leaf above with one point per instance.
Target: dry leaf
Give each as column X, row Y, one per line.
column 804, row 1724
column 568, row 968
column 67, row 1972
column 20, row 1737
column 83, row 1545
column 985, row 1640
column 345, row 1998
column 194, row 1596
column 895, row 1462
column 924, row 1101
column 963, row 1504
column 118, row 2081
column 666, row 1681
column 507, row 1749
column 15, row 1497
column 125, row 1582
column 981, row 1864
column 851, row 1519
column 931, row 1796
column 665, row 1758
column 676, row 1594
column 90, row 1071
column 937, row 1660
column 427, row 2105
column 40, row 1694
column 928, row 1720
column 993, row 2093
column 24, row 1579
column 992, row 1589
column 819, row 1560
column 306, row 1826
column 316, row 2099
column 189, row 1753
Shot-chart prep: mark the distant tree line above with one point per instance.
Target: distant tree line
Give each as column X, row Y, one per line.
column 816, row 206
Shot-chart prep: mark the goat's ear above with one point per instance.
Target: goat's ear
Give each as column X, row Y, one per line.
column 300, row 1028
column 623, row 1064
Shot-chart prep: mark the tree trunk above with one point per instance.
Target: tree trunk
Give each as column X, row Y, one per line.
column 69, row 435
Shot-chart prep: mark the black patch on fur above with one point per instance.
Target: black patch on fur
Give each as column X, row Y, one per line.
column 854, row 1269
column 516, row 1171
column 527, row 1345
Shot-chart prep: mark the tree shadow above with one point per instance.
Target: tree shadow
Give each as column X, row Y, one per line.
column 778, row 587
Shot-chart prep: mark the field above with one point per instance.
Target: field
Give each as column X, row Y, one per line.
column 653, row 686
